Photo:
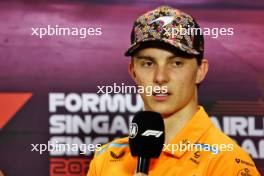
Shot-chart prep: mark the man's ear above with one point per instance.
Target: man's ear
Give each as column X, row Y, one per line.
column 131, row 70
column 202, row 71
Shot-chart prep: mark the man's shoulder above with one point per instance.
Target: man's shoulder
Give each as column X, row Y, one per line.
column 231, row 155
column 216, row 137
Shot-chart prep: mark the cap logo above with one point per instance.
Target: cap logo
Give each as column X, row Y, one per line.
column 165, row 20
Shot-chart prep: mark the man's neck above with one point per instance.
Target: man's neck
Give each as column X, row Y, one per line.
column 175, row 122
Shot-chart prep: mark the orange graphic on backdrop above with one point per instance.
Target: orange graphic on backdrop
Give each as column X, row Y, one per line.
column 10, row 103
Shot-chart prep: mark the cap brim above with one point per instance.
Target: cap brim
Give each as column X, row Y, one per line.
column 132, row 49
column 137, row 46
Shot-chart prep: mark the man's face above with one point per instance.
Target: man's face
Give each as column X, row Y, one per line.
column 159, row 67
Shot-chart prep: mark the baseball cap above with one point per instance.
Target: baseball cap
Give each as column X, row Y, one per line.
column 169, row 26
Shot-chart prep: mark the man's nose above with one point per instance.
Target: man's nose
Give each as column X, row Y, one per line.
column 161, row 76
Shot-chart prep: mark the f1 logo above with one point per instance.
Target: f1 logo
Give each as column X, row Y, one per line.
column 152, row 133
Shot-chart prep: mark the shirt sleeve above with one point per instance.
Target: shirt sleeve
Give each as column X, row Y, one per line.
column 96, row 163
column 91, row 170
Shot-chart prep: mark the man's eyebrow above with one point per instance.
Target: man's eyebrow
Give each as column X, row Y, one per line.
column 144, row 57
column 174, row 57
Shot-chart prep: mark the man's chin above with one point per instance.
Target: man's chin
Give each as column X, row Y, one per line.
column 164, row 110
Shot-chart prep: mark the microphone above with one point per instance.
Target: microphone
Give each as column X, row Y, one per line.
column 146, row 138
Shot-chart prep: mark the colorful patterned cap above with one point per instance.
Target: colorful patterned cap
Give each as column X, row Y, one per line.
column 168, row 25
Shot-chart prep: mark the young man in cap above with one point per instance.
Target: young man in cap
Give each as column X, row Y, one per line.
column 163, row 56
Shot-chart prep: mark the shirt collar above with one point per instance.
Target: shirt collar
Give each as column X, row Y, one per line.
column 190, row 133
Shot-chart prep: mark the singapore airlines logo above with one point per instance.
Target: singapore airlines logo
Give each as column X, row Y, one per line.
column 165, row 20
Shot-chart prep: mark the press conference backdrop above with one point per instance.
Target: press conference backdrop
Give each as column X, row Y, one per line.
column 48, row 87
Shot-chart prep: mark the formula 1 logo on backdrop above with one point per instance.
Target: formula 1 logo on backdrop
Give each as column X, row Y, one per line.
column 10, row 104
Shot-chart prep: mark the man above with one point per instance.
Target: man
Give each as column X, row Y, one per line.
column 163, row 56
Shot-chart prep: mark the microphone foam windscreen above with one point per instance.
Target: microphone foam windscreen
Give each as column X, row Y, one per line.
column 146, row 134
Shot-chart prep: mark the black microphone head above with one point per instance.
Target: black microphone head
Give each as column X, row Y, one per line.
column 146, row 134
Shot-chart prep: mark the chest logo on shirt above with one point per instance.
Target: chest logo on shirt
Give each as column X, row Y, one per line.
column 196, row 157
column 117, row 157
column 244, row 172
column 243, row 162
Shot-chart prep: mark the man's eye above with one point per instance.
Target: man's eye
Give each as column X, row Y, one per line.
column 177, row 63
column 147, row 64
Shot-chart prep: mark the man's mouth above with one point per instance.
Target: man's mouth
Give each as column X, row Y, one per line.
column 160, row 94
